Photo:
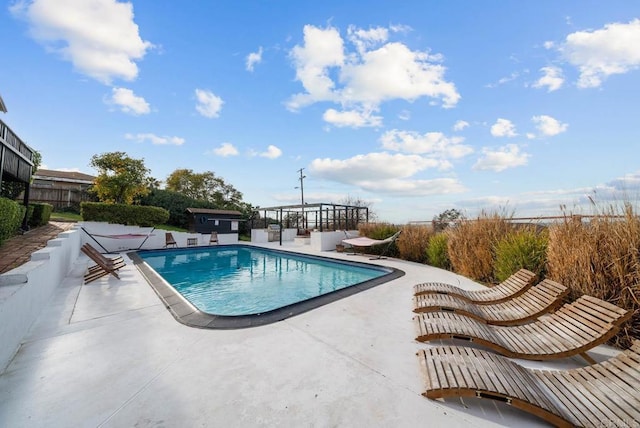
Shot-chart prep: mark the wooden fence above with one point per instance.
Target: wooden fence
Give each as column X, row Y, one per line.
column 59, row 198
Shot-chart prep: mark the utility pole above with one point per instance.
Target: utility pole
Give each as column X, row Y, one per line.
column 302, row 177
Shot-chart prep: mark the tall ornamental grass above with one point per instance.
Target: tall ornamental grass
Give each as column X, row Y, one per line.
column 471, row 245
column 525, row 248
column 413, row 243
column 601, row 258
column 437, row 254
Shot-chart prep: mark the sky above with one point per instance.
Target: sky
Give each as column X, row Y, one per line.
column 529, row 108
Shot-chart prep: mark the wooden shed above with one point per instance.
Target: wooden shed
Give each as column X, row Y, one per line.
column 203, row 220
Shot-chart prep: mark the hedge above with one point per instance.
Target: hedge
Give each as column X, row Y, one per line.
column 134, row 215
column 11, row 217
column 39, row 214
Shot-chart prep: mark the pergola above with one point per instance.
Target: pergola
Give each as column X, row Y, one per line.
column 321, row 216
column 16, row 162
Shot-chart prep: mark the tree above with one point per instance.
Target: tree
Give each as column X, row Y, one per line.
column 121, row 179
column 204, row 186
column 445, row 218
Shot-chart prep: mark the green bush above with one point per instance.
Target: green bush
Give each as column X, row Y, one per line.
column 134, row 215
column 521, row 249
column 437, row 254
column 176, row 204
column 11, row 216
column 40, row 214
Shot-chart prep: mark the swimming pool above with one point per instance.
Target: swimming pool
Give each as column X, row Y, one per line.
column 235, row 286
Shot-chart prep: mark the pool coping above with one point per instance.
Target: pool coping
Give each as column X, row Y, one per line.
column 186, row 313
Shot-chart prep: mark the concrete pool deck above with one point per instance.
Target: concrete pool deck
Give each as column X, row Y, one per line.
column 109, row 354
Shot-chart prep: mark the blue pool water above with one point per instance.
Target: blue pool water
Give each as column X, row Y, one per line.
column 239, row 280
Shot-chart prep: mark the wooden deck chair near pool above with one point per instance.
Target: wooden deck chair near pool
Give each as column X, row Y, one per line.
column 214, row 238
column 511, row 287
column 364, row 242
column 598, row 395
column 103, row 266
column 535, row 301
column 169, row 240
column 572, row 330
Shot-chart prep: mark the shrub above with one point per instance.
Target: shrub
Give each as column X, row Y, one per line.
column 471, row 245
column 124, row 214
column 437, row 255
column 176, row 204
column 412, row 244
column 522, row 249
column 40, row 215
column 11, row 216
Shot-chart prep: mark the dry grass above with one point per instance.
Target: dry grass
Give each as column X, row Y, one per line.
column 600, row 258
column 413, row 243
column 471, row 245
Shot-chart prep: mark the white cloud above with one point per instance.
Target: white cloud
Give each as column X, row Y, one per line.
column 367, row 39
column 361, row 79
column 601, row 53
column 432, row 143
column 370, row 167
column 460, row 125
column 414, row 188
column 225, row 150
column 503, row 128
column 404, row 115
column 254, row 58
column 513, row 76
column 129, row 102
column 385, row 173
column 351, row 118
column 552, row 79
column 209, row 104
column 99, row 37
column 155, row 139
column 548, row 126
column 505, row 157
column 272, row 152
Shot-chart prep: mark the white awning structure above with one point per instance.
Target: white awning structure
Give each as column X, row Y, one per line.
column 3, row 107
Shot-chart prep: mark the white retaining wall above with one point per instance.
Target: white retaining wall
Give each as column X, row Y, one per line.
column 25, row 290
column 106, row 236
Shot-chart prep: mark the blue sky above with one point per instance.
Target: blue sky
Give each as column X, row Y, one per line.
column 413, row 106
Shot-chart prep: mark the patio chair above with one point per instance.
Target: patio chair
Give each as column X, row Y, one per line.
column 364, row 242
column 115, row 262
column 572, row 330
column 511, row 287
column 169, row 240
column 214, row 238
column 535, row 301
column 102, row 267
column 604, row 394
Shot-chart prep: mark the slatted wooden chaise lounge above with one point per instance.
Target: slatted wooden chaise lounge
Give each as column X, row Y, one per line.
column 604, row 394
column 572, row 330
column 535, row 301
column 103, row 265
column 511, row 287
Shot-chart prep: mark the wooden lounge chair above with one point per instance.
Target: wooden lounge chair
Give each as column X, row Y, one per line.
column 213, row 239
column 169, row 240
column 511, row 287
column 535, row 301
column 604, row 394
column 572, row 330
column 113, row 263
column 103, row 266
